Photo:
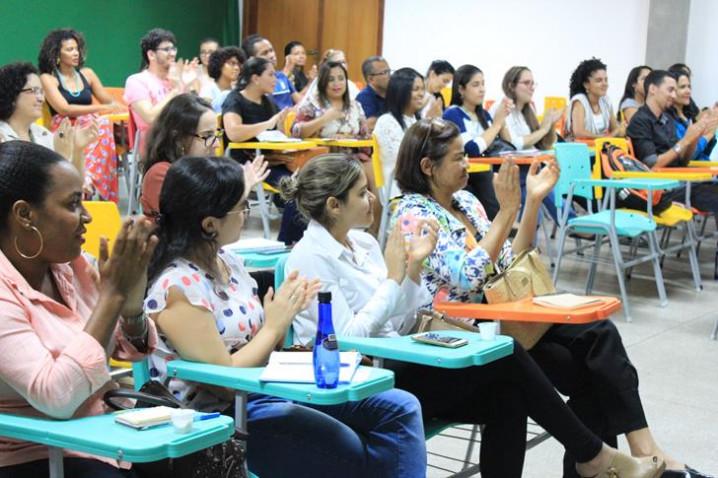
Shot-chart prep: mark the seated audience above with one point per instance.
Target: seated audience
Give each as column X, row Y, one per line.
column 69, row 89
column 677, row 68
column 59, row 316
column 633, row 94
column 21, row 102
column 159, row 79
column 295, row 58
column 223, row 68
column 684, row 115
column 376, row 74
column 404, row 98
column 439, row 76
column 375, row 296
column 186, row 126
column 590, row 113
column 524, row 130
column 206, row 48
column 479, row 131
column 655, row 142
column 588, row 363
column 249, row 111
column 219, row 319
column 284, row 94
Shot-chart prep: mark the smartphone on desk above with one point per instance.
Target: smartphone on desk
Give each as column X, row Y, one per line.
column 441, row 340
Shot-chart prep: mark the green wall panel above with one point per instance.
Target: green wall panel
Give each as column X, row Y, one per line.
column 113, row 28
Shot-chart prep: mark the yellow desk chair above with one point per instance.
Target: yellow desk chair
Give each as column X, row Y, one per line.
column 106, row 222
column 557, row 103
column 446, row 94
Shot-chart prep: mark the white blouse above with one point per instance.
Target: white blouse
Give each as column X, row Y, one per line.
column 389, row 135
column 365, row 303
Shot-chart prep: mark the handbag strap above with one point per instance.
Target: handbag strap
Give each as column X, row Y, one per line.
column 121, row 393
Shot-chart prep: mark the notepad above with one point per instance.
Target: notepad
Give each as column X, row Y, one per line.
column 257, row 244
column 566, row 301
column 297, row 367
column 145, row 417
column 275, row 136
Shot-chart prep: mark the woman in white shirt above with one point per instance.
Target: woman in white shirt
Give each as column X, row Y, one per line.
column 404, row 100
column 590, row 114
column 377, row 297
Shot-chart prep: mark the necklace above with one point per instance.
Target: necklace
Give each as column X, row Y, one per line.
column 78, row 83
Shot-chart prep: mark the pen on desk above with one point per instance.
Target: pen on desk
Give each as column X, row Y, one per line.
column 206, row 416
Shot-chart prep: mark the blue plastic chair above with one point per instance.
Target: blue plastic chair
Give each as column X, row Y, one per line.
column 575, row 180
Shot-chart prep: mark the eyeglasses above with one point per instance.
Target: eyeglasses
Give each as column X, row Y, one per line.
column 167, row 49
column 244, row 210
column 439, row 123
column 210, row 139
column 528, row 83
column 35, row 90
column 381, row 73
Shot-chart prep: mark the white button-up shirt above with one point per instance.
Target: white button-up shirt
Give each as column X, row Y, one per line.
column 365, row 303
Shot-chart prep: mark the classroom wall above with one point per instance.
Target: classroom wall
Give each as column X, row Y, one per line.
column 113, row 28
column 551, row 38
column 700, row 51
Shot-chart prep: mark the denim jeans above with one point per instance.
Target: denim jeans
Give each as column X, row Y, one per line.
column 293, row 224
column 380, row 436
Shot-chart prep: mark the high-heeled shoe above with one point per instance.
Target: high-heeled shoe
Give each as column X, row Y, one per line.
column 688, row 472
column 625, row 466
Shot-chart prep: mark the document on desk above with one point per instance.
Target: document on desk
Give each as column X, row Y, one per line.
column 256, row 244
column 297, row 367
column 275, row 136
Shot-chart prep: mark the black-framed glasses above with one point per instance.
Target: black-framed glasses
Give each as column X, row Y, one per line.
column 167, row 49
column 210, row 139
column 35, row 90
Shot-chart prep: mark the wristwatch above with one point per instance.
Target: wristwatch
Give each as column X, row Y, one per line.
column 677, row 148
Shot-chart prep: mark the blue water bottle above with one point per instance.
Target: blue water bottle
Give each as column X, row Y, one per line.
column 326, row 349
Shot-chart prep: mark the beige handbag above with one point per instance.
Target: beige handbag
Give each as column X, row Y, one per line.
column 430, row 320
column 526, row 276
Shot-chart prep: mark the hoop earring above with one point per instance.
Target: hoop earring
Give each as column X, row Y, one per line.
column 39, row 251
column 57, row 62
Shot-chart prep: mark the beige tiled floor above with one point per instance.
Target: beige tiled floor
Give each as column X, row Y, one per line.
column 677, row 362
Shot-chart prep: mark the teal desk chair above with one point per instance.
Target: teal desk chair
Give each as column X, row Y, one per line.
column 575, row 180
column 100, row 435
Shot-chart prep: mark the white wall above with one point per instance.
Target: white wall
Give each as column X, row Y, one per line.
column 701, row 51
column 549, row 36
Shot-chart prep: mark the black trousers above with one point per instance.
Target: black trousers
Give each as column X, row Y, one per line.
column 74, row 468
column 481, row 185
column 589, row 364
column 499, row 395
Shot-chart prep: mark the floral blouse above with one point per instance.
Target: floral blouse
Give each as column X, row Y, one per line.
column 237, row 312
column 458, row 264
column 352, row 125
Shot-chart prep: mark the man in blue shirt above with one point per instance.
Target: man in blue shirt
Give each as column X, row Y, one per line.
column 376, row 74
column 285, row 95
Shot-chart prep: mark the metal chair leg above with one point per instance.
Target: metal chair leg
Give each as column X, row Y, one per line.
column 263, row 209
column 618, row 262
column 658, row 274
column 594, row 264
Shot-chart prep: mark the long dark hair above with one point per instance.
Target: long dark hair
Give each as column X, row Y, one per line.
column 690, row 111
column 462, row 77
column 323, row 81
column 176, row 123
column 398, row 93
column 253, row 66
column 24, row 175
column 49, row 55
column 581, row 74
column 194, row 188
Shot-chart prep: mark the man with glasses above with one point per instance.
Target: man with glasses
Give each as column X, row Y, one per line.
column 284, row 95
column 148, row 91
column 376, row 73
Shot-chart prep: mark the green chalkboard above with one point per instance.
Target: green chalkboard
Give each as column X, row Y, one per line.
column 113, row 28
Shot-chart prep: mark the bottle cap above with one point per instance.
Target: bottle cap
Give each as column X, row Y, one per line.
column 325, row 297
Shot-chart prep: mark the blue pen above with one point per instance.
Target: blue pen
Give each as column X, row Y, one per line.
column 206, row 416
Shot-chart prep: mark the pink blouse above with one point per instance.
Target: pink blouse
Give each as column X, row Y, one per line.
column 50, row 367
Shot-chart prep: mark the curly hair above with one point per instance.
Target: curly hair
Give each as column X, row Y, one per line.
column 581, row 73
column 12, row 78
column 49, row 55
column 152, row 40
column 221, row 56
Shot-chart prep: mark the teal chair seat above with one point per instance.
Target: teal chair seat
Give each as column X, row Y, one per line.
column 626, row 223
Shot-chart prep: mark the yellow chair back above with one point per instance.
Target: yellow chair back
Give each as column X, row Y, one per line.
column 289, row 122
column 557, row 103
column 446, row 93
column 106, row 222
column 376, row 163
